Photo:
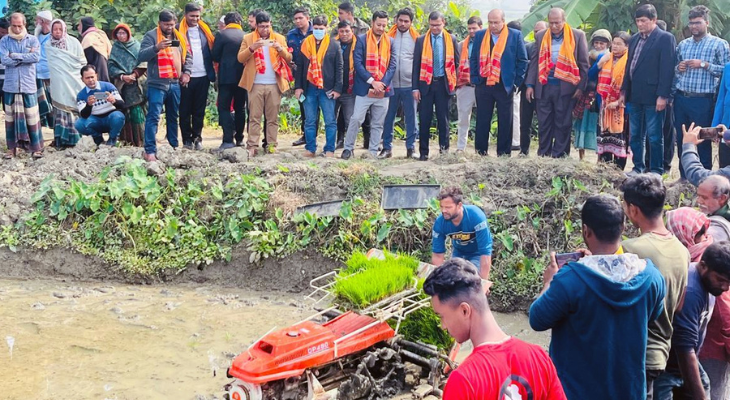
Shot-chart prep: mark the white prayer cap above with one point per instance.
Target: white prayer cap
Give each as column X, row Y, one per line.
column 45, row 14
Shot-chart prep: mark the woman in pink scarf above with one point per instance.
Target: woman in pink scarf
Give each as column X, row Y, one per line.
column 690, row 227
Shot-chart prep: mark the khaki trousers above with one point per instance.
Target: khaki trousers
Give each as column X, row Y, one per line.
column 263, row 100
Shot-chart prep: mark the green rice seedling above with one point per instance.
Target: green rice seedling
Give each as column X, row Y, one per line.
column 367, row 281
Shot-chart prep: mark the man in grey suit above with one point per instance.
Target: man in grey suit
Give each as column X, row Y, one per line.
column 556, row 95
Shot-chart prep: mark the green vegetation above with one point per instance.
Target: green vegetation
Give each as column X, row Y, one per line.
column 367, row 281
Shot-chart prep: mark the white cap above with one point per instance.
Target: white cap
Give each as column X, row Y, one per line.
column 222, row 20
column 45, row 14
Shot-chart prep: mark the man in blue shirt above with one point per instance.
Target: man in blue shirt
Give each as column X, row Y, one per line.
column 468, row 229
column 684, row 374
column 99, row 105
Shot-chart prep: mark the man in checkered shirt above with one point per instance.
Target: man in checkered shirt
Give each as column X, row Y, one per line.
column 99, row 105
column 700, row 62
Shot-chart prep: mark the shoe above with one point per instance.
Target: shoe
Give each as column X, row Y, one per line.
column 225, row 146
column 385, row 154
column 346, row 154
column 36, row 155
column 151, row 157
column 300, row 142
column 239, row 143
column 329, row 154
column 340, row 145
column 423, row 157
column 310, row 154
column 198, row 144
column 187, row 146
column 111, row 143
column 409, row 153
column 98, row 140
column 444, row 151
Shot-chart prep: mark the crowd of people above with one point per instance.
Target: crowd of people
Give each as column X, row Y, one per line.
column 620, row 95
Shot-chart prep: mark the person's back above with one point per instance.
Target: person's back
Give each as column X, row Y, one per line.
column 598, row 309
column 512, row 369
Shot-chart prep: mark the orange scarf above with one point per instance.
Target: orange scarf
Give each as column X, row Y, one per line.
column 281, row 67
column 234, row 26
column 426, row 73
column 351, row 75
column 316, row 57
column 611, row 78
column 378, row 56
column 464, row 69
column 566, row 69
column 490, row 60
column 203, row 26
column 168, row 65
column 394, row 30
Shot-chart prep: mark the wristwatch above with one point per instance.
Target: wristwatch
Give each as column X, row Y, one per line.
column 703, row 65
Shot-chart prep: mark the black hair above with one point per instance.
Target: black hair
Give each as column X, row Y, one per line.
column 254, row 12
column 301, row 10
column 457, row 279
column 645, row 10
column 717, row 258
column 605, row 216
column 379, row 14
column 263, row 16
column 474, row 20
column 623, row 36
column 190, row 7
column 700, row 12
column 343, row 24
column 86, row 68
column 515, row 25
column 347, row 7
column 662, row 24
column 453, row 192
column 232, row 18
column 167, row 16
column 647, row 192
column 405, row 11
column 436, row 15
column 4, row 23
column 320, row 20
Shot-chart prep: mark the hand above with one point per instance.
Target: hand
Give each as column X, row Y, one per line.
column 298, row 93
column 185, row 79
column 694, row 64
column 277, row 46
column 691, row 135
column 91, row 100
column 661, row 104
column 550, row 270
column 128, row 79
column 530, row 94
column 336, row 95
column 417, row 95
column 585, row 252
column 613, row 105
column 487, row 285
column 258, row 44
column 378, row 86
column 682, row 66
column 110, row 98
column 165, row 43
column 578, row 93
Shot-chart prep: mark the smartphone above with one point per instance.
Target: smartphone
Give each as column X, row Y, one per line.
column 564, row 258
column 175, row 43
column 710, row 133
column 302, row 98
column 271, row 42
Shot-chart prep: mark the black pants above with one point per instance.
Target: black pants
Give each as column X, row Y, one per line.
column 239, row 97
column 527, row 112
column 487, row 97
column 555, row 119
column 193, row 99
column 438, row 98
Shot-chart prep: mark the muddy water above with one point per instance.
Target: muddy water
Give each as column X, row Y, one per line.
column 101, row 341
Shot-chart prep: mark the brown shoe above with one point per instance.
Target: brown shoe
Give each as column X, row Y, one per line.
column 329, row 154
column 251, row 153
column 150, row 157
column 309, row 154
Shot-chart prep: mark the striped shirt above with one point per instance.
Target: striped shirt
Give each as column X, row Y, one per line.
column 712, row 50
column 101, row 107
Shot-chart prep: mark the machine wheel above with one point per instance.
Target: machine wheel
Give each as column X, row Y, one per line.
column 245, row 391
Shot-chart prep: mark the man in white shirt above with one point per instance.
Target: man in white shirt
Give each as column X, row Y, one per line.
column 194, row 95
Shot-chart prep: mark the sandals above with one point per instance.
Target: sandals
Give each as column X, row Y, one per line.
column 9, row 155
column 37, row 155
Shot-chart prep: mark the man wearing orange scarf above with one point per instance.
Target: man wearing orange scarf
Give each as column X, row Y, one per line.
column 465, row 98
column 435, row 64
column 194, row 95
column 556, row 78
column 266, row 76
column 404, row 41
column 319, row 79
column 169, row 65
column 375, row 64
column 225, row 53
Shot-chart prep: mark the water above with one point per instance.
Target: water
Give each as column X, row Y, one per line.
column 101, row 341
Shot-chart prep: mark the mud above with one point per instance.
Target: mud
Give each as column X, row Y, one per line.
column 74, row 340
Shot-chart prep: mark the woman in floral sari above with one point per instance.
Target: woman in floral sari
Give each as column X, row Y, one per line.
column 129, row 76
column 65, row 59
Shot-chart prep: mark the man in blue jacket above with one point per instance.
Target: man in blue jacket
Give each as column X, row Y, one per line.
column 496, row 86
column 372, row 84
column 599, row 309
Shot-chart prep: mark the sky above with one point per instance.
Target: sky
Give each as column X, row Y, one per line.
column 513, row 9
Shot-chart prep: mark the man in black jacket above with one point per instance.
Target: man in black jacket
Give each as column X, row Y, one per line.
column 647, row 87
column 225, row 52
column 434, row 89
column 318, row 84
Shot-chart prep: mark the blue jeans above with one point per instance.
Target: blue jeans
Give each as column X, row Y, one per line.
column 94, row 126
column 317, row 99
column 645, row 121
column 666, row 383
column 404, row 97
column 156, row 98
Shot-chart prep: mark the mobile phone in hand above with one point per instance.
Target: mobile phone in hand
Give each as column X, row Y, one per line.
column 710, row 133
column 564, row 258
column 175, row 43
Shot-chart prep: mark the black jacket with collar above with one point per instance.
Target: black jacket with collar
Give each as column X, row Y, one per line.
column 331, row 69
column 225, row 52
column 207, row 53
column 654, row 72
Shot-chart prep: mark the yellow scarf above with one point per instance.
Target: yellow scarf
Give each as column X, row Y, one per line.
column 426, row 73
column 203, row 26
column 394, row 30
column 490, row 60
column 316, row 58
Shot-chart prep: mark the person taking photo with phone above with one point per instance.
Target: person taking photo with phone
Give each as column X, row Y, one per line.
column 599, row 309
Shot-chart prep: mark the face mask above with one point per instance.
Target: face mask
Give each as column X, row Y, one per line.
column 318, row 33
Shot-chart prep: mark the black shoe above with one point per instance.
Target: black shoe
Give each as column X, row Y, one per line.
column 423, row 157
column 225, row 146
column 300, row 142
column 340, row 144
column 409, row 153
column 98, row 140
column 198, row 144
column 385, row 154
column 239, row 143
column 111, row 143
column 188, row 146
column 346, row 154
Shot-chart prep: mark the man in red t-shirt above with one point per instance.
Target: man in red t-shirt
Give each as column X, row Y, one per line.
column 500, row 367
